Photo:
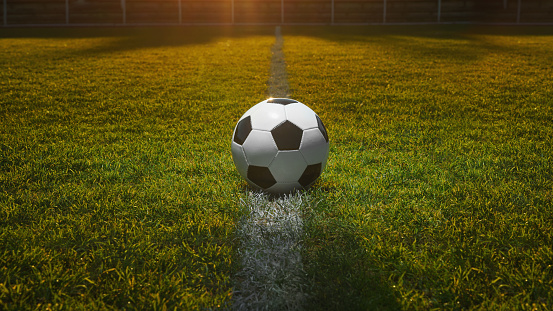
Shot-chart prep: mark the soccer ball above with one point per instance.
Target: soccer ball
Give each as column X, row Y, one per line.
column 280, row 145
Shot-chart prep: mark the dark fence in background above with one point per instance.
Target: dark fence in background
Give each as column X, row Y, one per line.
column 133, row 12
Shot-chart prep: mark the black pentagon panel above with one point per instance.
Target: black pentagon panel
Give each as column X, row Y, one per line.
column 243, row 129
column 287, row 136
column 282, row 101
column 261, row 176
column 322, row 128
column 311, row 173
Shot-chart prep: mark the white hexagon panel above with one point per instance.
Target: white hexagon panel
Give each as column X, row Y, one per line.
column 314, row 147
column 280, row 145
column 284, row 187
column 260, row 148
column 288, row 166
column 239, row 158
column 301, row 115
column 267, row 116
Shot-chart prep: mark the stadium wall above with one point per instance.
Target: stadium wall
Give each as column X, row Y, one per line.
column 134, row 12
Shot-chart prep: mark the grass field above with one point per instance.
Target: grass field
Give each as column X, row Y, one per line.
column 117, row 183
column 117, row 188
column 439, row 188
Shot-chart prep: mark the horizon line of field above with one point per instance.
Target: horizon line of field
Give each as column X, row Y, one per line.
column 161, row 25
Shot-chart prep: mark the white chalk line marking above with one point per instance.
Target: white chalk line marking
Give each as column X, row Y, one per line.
column 270, row 234
column 270, row 237
column 278, row 80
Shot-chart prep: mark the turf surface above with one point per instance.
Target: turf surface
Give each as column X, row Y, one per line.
column 438, row 189
column 117, row 188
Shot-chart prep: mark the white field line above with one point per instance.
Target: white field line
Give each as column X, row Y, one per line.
column 277, row 86
column 270, row 234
